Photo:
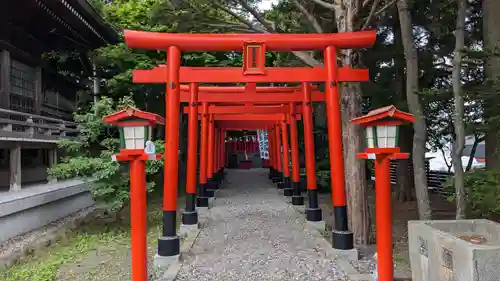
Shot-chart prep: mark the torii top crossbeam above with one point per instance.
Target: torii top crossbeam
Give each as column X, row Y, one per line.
column 233, row 42
column 159, row 74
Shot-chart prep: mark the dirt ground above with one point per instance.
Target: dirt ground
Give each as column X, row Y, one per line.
column 402, row 212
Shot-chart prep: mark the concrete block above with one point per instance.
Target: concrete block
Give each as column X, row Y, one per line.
column 454, row 250
column 165, row 262
column 13, row 202
column 318, row 225
column 203, row 212
column 211, row 202
column 350, row 255
column 185, row 229
column 300, row 209
column 30, row 209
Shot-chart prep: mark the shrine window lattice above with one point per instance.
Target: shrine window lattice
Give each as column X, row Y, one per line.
column 22, row 83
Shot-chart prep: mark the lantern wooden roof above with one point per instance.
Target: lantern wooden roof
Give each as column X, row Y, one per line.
column 130, row 116
column 384, row 115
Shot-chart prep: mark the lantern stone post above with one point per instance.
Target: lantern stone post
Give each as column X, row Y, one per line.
column 136, row 147
column 382, row 140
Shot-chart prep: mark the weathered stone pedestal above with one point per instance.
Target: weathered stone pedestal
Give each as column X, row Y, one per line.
column 165, row 262
column 185, row 229
column 454, row 250
column 318, row 225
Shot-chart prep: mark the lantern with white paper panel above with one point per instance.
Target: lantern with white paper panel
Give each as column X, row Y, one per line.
column 382, row 136
column 135, row 127
column 382, row 127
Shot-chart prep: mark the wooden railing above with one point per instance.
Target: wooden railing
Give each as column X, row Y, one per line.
column 16, row 125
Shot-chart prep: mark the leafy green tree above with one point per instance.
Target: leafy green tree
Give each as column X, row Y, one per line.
column 88, row 156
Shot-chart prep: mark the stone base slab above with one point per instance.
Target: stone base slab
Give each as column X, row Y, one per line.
column 185, row 229
column 300, row 209
column 165, row 262
column 318, row 225
column 350, row 255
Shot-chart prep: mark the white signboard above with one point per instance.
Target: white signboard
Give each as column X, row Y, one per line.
column 263, row 144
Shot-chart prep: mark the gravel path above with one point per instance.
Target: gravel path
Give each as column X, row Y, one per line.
column 252, row 234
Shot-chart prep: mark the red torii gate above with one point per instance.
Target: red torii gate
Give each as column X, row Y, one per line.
column 292, row 189
column 254, row 71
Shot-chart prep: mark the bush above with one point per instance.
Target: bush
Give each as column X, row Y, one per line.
column 109, row 179
column 482, row 192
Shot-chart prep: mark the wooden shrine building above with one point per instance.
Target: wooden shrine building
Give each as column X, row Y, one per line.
column 36, row 103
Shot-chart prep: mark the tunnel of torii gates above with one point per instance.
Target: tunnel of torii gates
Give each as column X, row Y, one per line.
column 223, row 109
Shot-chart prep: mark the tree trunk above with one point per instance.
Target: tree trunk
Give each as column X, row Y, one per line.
column 355, row 177
column 404, row 170
column 352, row 136
column 420, row 135
column 491, row 35
column 458, row 122
column 473, row 152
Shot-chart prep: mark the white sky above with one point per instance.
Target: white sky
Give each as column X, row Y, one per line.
column 266, row 4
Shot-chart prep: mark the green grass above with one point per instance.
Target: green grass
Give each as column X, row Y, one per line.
column 44, row 264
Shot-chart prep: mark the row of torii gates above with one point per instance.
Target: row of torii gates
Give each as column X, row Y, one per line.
column 276, row 109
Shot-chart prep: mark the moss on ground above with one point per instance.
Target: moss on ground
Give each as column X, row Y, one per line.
column 96, row 251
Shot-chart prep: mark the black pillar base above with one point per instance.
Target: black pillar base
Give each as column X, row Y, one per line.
column 297, row 200
column 218, row 177
column 190, row 218
column 169, row 246
column 314, row 214
column 286, row 183
column 288, row 192
column 278, row 177
column 211, row 184
column 271, row 173
column 202, row 202
column 340, row 218
column 295, row 191
column 342, row 240
column 210, row 193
